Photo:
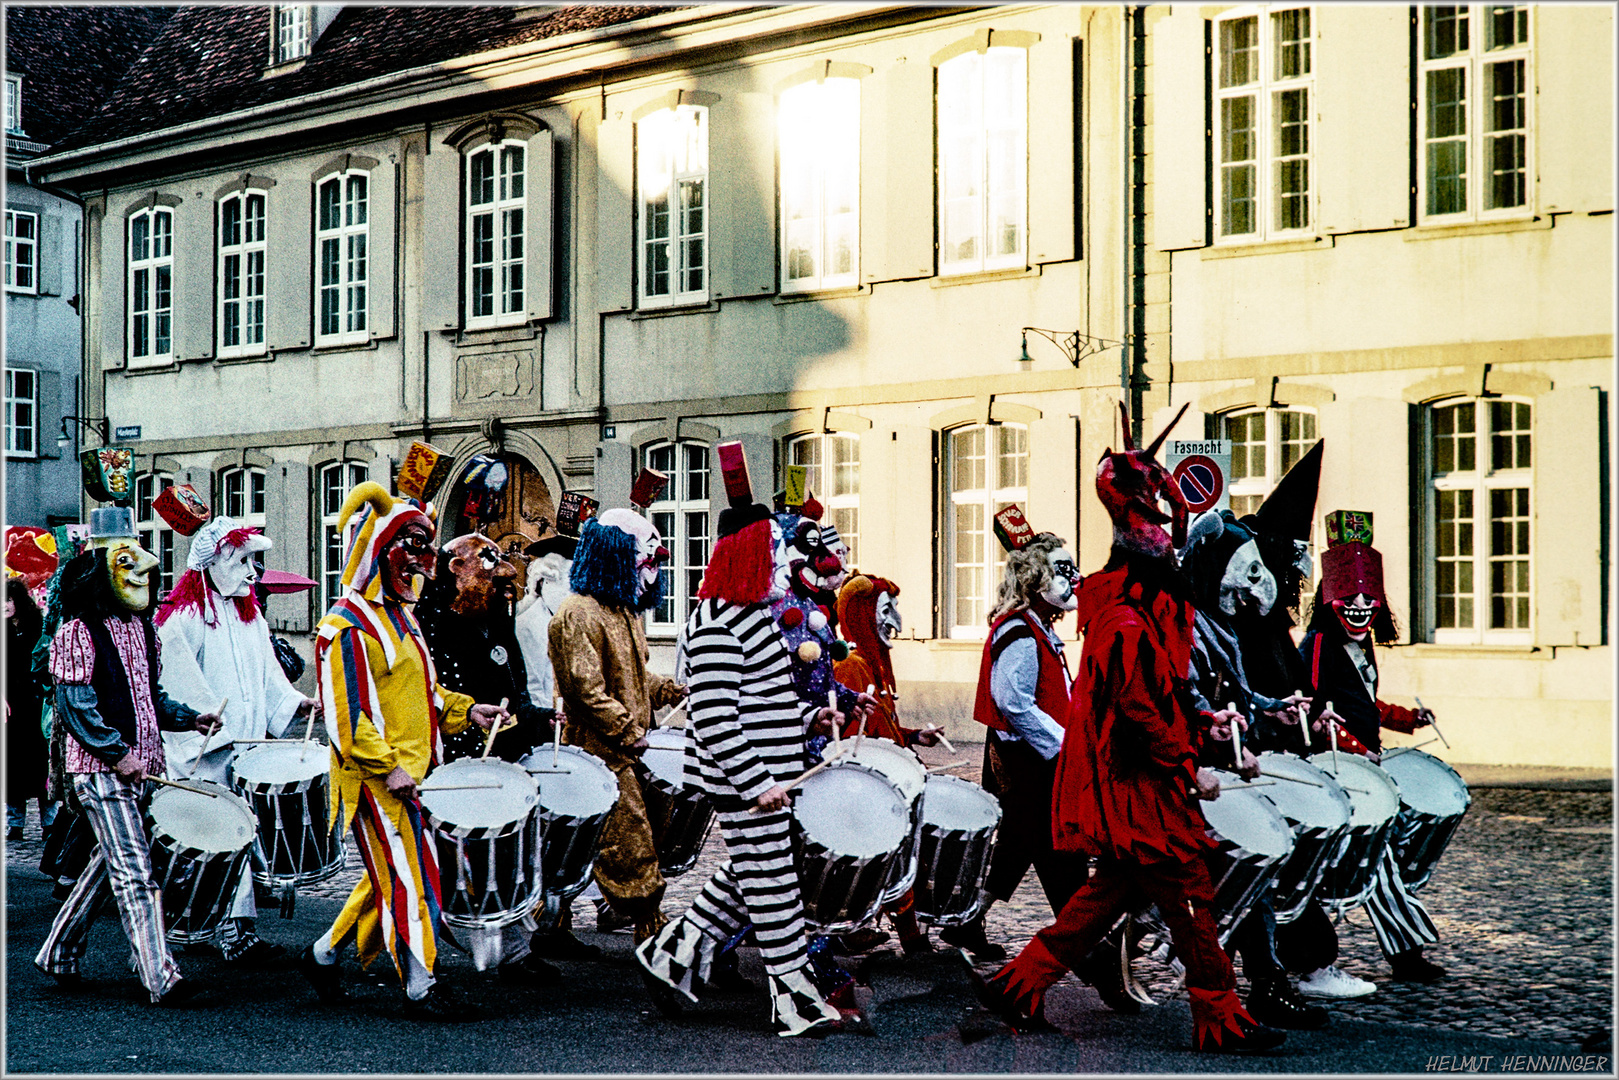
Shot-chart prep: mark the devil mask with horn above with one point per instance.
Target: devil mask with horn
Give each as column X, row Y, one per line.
column 1131, row 485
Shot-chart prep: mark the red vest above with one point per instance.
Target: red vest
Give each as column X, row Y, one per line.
column 1051, row 688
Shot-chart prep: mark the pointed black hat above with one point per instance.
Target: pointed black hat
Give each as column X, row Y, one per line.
column 1288, row 511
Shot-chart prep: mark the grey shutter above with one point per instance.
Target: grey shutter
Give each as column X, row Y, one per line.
column 287, row 502
column 441, row 244
column 1363, row 117
column 48, row 413
column 194, row 280
column 879, row 462
column 201, row 481
column 615, row 215
column 379, row 470
column 539, row 240
column 1575, row 107
column 896, row 173
column 1567, row 501
column 1053, row 128
column 1179, row 152
column 49, row 254
column 742, row 213
column 1053, row 477
column 914, row 526
column 382, row 286
column 289, row 232
column 615, row 471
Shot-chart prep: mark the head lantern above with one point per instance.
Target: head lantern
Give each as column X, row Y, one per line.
column 619, row 561
column 1130, row 484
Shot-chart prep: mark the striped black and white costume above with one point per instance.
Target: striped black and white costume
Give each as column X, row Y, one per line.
column 748, row 736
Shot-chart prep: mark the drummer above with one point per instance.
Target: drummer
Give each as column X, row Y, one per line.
column 217, row 648
column 599, row 653
column 385, row 715
column 104, row 661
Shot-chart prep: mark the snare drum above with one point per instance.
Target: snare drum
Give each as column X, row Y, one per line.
column 850, row 825
column 199, row 845
column 954, row 844
column 904, row 770
column 1254, row 840
column 288, row 785
column 680, row 811
column 486, row 832
column 1433, row 799
column 1318, row 811
column 1374, row 800
column 576, row 795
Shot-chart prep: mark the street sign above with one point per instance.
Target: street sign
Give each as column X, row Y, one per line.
column 1199, row 467
column 132, row 431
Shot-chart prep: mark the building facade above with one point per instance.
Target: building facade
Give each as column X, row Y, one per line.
column 925, row 252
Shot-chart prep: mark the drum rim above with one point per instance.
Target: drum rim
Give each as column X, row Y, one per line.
column 946, row 780
column 1371, row 768
column 1467, row 792
column 449, row 829
column 169, row 842
column 265, row 750
column 1293, row 761
column 1258, row 797
column 904, row 803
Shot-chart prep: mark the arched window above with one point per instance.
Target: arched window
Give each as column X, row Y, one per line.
column 986, row 468
column 241, row 274
column 1265, row 443
column 818, row 130
column 336, row 480
column 682, row 517
column 342, row 235
column 497, row 220
column 241, row 495
column 154, row 532
column 983, row 160
column 151, row 286
column 832, row 464
column 672, row 174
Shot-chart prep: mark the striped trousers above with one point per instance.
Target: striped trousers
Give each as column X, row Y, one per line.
column 1400, row 921
column 120, row 870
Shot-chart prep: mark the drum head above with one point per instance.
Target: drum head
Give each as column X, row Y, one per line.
column 1323, row 807
column 585, row 788
column 1247, row 819
column 282, row 764
column 902, row 768
column 193, row 820
column 1427, row 785
column 852, row 810
column 1373, row 798
column 952, row 804
column 665, row 755
column 504, row 793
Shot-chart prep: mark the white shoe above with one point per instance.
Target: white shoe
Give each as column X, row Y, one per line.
column 1329, row 982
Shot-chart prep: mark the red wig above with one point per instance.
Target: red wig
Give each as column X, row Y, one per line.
column 740, row 567
column 192, row 592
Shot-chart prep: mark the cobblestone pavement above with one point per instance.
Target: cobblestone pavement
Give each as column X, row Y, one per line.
column 1523, row 899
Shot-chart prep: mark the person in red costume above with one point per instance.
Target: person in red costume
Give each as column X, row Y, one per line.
column 1127, row 777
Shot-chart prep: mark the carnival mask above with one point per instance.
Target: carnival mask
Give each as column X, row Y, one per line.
column 1134, row 489
column 889, row 623
column 834, row 543
column 650, row 554
column 130, row 567
column 1247, row 581
column 811, row 567
column 1356, row 614
column 550, row 572
column 409, row 555
column 234, row 572
column 1059, row 592
column 485, row 580
column 781, row 569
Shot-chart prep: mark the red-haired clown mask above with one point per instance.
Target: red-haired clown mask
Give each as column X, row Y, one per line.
column 1352, row 584
column 1133, row 488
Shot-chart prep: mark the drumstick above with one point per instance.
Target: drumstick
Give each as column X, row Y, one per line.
column 458, row 787
column 203, row 749
column 1248, row 784
column 183, row 787
column 803, row 776
column 860, row 736
column 1304, row 721
column 1294, row 779
column 669, row 717
column 556, row 733
column 1332, row 726
column 945, row 766
column 938, row 729
column 1433, row 725
column 832, row 703
column 1403, row 749
column 1236, row 735
column 494, row 729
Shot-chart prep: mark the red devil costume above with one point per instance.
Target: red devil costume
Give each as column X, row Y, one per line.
column 1128, row 767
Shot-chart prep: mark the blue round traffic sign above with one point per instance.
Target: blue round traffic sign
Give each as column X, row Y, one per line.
column 1200, row 481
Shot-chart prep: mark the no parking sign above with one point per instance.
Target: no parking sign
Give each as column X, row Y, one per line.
column 1200, row 468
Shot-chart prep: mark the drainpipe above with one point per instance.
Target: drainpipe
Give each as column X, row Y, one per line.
column 1135, row 350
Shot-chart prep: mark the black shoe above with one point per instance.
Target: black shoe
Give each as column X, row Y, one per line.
column 327, row 979
column 609, row 921
column 561, row 944
column 62, row 890
column 67, row 980
column 993, row 996
column 442, row 1005
column 1103, row 970
column 970, row 936
column 725, row 974
column 669, row 1001
column 530, row 971
column 1253, row 1040
column 1273, row 1002
column 861, row 940
column 918, row 945
column 1411, row 966
column 14, row 833
column 181, row 992
column 259, row 956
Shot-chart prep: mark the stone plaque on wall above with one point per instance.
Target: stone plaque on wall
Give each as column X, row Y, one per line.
column 494, row 376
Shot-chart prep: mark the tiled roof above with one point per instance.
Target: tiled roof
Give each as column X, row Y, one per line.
column 70, row 59
column 210, row 59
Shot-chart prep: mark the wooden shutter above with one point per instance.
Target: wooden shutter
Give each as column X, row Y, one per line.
column 1573, row 138
column 896, row 173
column 1053, row 477
column 382, row 286
column 289, row 231
column 615, row 215
column 194, row 271
column 48, row 255
column 1179, row 150
column 539, row 240
column 742, row 177
column 1567, row 504
column 48, row 413
column 113, row 303
column 1053, row 129
column 912, row 524
column 615, row 473
column 287, row 502
column 444, row 219
column 1362, row 133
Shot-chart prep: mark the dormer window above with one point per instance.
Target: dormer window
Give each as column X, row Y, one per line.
column 291, row 33
column 14, row 104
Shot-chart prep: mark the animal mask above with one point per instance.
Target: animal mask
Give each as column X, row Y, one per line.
column 1247, row 581
column 485, row 580
column 1131, row 484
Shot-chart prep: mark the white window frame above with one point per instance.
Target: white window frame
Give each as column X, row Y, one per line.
column 241, row 495
column 839, row 498
column 966, row 134
column 506, row 211
column 19, row 265
column 1481, row 481
column 14, row 105
column 22, row 412
column 1475, row 112
column 989, row 498
column 155, row 534
column 152, row 257
column 818, row 132
column 1266, row 83
column 241, row 274
column 1259, row 485
column 686, row 505
column 334, row 481
column 292, row 32
column 349, row 287
column 671, row 159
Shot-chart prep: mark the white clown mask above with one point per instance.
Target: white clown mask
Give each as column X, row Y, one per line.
column 834, row 543
column 650, row 552
column 235, row 572
column 781, row 569
column 1247, row 581
column 1059, row 593
column 889, row 623
column 227, row 552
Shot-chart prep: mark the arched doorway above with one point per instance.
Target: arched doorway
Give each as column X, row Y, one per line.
column 529, row 510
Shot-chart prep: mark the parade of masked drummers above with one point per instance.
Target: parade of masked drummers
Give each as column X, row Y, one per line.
column 817, row 539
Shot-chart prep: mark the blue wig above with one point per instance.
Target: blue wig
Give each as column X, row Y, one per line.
column 604, row 567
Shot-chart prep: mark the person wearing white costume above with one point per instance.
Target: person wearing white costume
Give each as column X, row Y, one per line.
column 217, row 649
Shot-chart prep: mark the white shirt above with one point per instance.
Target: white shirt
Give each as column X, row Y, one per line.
column 533, row 628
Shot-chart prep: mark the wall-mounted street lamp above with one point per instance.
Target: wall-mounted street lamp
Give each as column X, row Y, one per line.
column 102, row 427
column 1075, row 345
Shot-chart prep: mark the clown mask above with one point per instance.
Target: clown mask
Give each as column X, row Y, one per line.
column 1059, row 592
column 889, row 623
column 781, row 569
column 409, row 555
column 130, row 567
column 650, row 554
column 1356, row 614
column 234, row 572
column 811, row 567
column 1247, row 582
column 833, row 541
column 548, row 577
column 485, row 580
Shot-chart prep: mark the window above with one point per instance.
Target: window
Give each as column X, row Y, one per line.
column 241, row 274
column 14, row 104
column 681, row 517
column 22, row 412
column 832, row 464
column 291, row 32
column 241, row 494
column 983, row 158
column 1262, row 116
column 818, row 130
column 22, row 251
column 1265, row 443
column 496, row 204
column 672, row 171
column 987, row 468
column 336, row 481
column 154, row 532
column 341, row 234
column 1474, row 98
column 151, row 285
column 1480, row 465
